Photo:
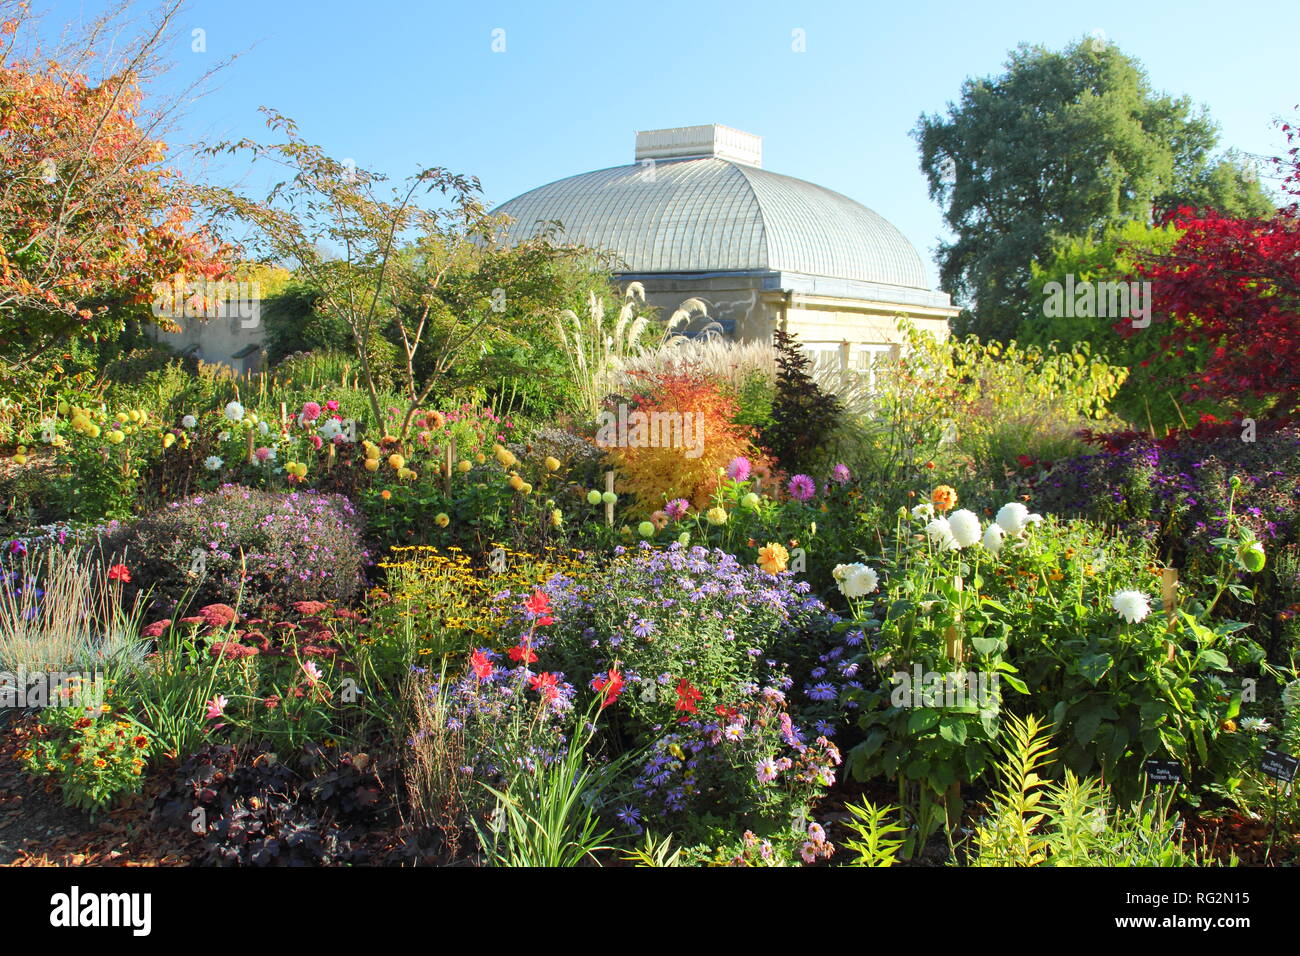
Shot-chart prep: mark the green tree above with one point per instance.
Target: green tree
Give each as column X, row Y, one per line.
column 803, row 415
column 1149, row 399
column 1063, row 143
column 378, row 262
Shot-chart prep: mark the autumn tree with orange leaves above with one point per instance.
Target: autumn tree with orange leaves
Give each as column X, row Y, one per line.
column 91, row 214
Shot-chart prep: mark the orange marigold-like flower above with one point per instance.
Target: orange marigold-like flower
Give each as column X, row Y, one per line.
column 944, row 497
column 773, row 558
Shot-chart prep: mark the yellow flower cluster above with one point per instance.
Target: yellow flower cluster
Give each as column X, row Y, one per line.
column 447, row 590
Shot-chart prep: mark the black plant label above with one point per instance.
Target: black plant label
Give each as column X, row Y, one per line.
column 1164, row 771
column 1279, row 765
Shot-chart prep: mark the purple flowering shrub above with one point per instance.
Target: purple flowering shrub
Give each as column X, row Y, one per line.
column 1178, row 492
column 243, row 547
column 669, row 616
column 750, row 762
column 700, row 641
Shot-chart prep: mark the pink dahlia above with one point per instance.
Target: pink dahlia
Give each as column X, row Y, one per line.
column 802, row 488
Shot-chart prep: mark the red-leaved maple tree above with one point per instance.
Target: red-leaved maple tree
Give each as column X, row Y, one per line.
column 1232, row 286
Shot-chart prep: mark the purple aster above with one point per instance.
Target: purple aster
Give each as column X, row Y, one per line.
column 822, row 691
column 630, row 817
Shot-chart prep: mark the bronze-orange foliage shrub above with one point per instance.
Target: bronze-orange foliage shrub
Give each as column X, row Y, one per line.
column 656, row 441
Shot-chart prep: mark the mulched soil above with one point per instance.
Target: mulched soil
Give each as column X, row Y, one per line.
column 36, row 829
column 1253, row 841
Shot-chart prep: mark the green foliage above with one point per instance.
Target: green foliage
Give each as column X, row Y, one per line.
column 296, row 323
column 547, row 814
column 983, row 415
column 93, row 757
column 879, row 839
column 1061, row 143
column 1149, row 397
column 1031, row 821
column 653, row 851
column 1010, row 835
column 1038, row 619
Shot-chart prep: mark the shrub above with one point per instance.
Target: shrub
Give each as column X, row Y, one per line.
column 254, row 809
column 236, row 545
column 1177, row 489
column 803, row 416
column 1039, row 615
column 663, row 471
column 694, row 636
column 984, row 415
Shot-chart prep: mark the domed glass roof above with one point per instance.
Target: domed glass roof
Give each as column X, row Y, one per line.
column 714, row 215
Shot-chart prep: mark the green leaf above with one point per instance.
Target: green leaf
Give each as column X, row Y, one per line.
column 922, row 720
column 1086, row 724
column 1093, row 667
column 953, row 729
column 1213, row 659
column 1016, row 683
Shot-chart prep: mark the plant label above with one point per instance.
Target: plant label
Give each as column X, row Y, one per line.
column 1279, row 765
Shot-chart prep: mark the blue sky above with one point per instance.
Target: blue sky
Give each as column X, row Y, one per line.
column 399, row 85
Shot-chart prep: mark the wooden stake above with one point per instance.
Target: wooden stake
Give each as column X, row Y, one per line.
column 1169, row 592
column 449, row 455
column 609, row 508
column 954, row 645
